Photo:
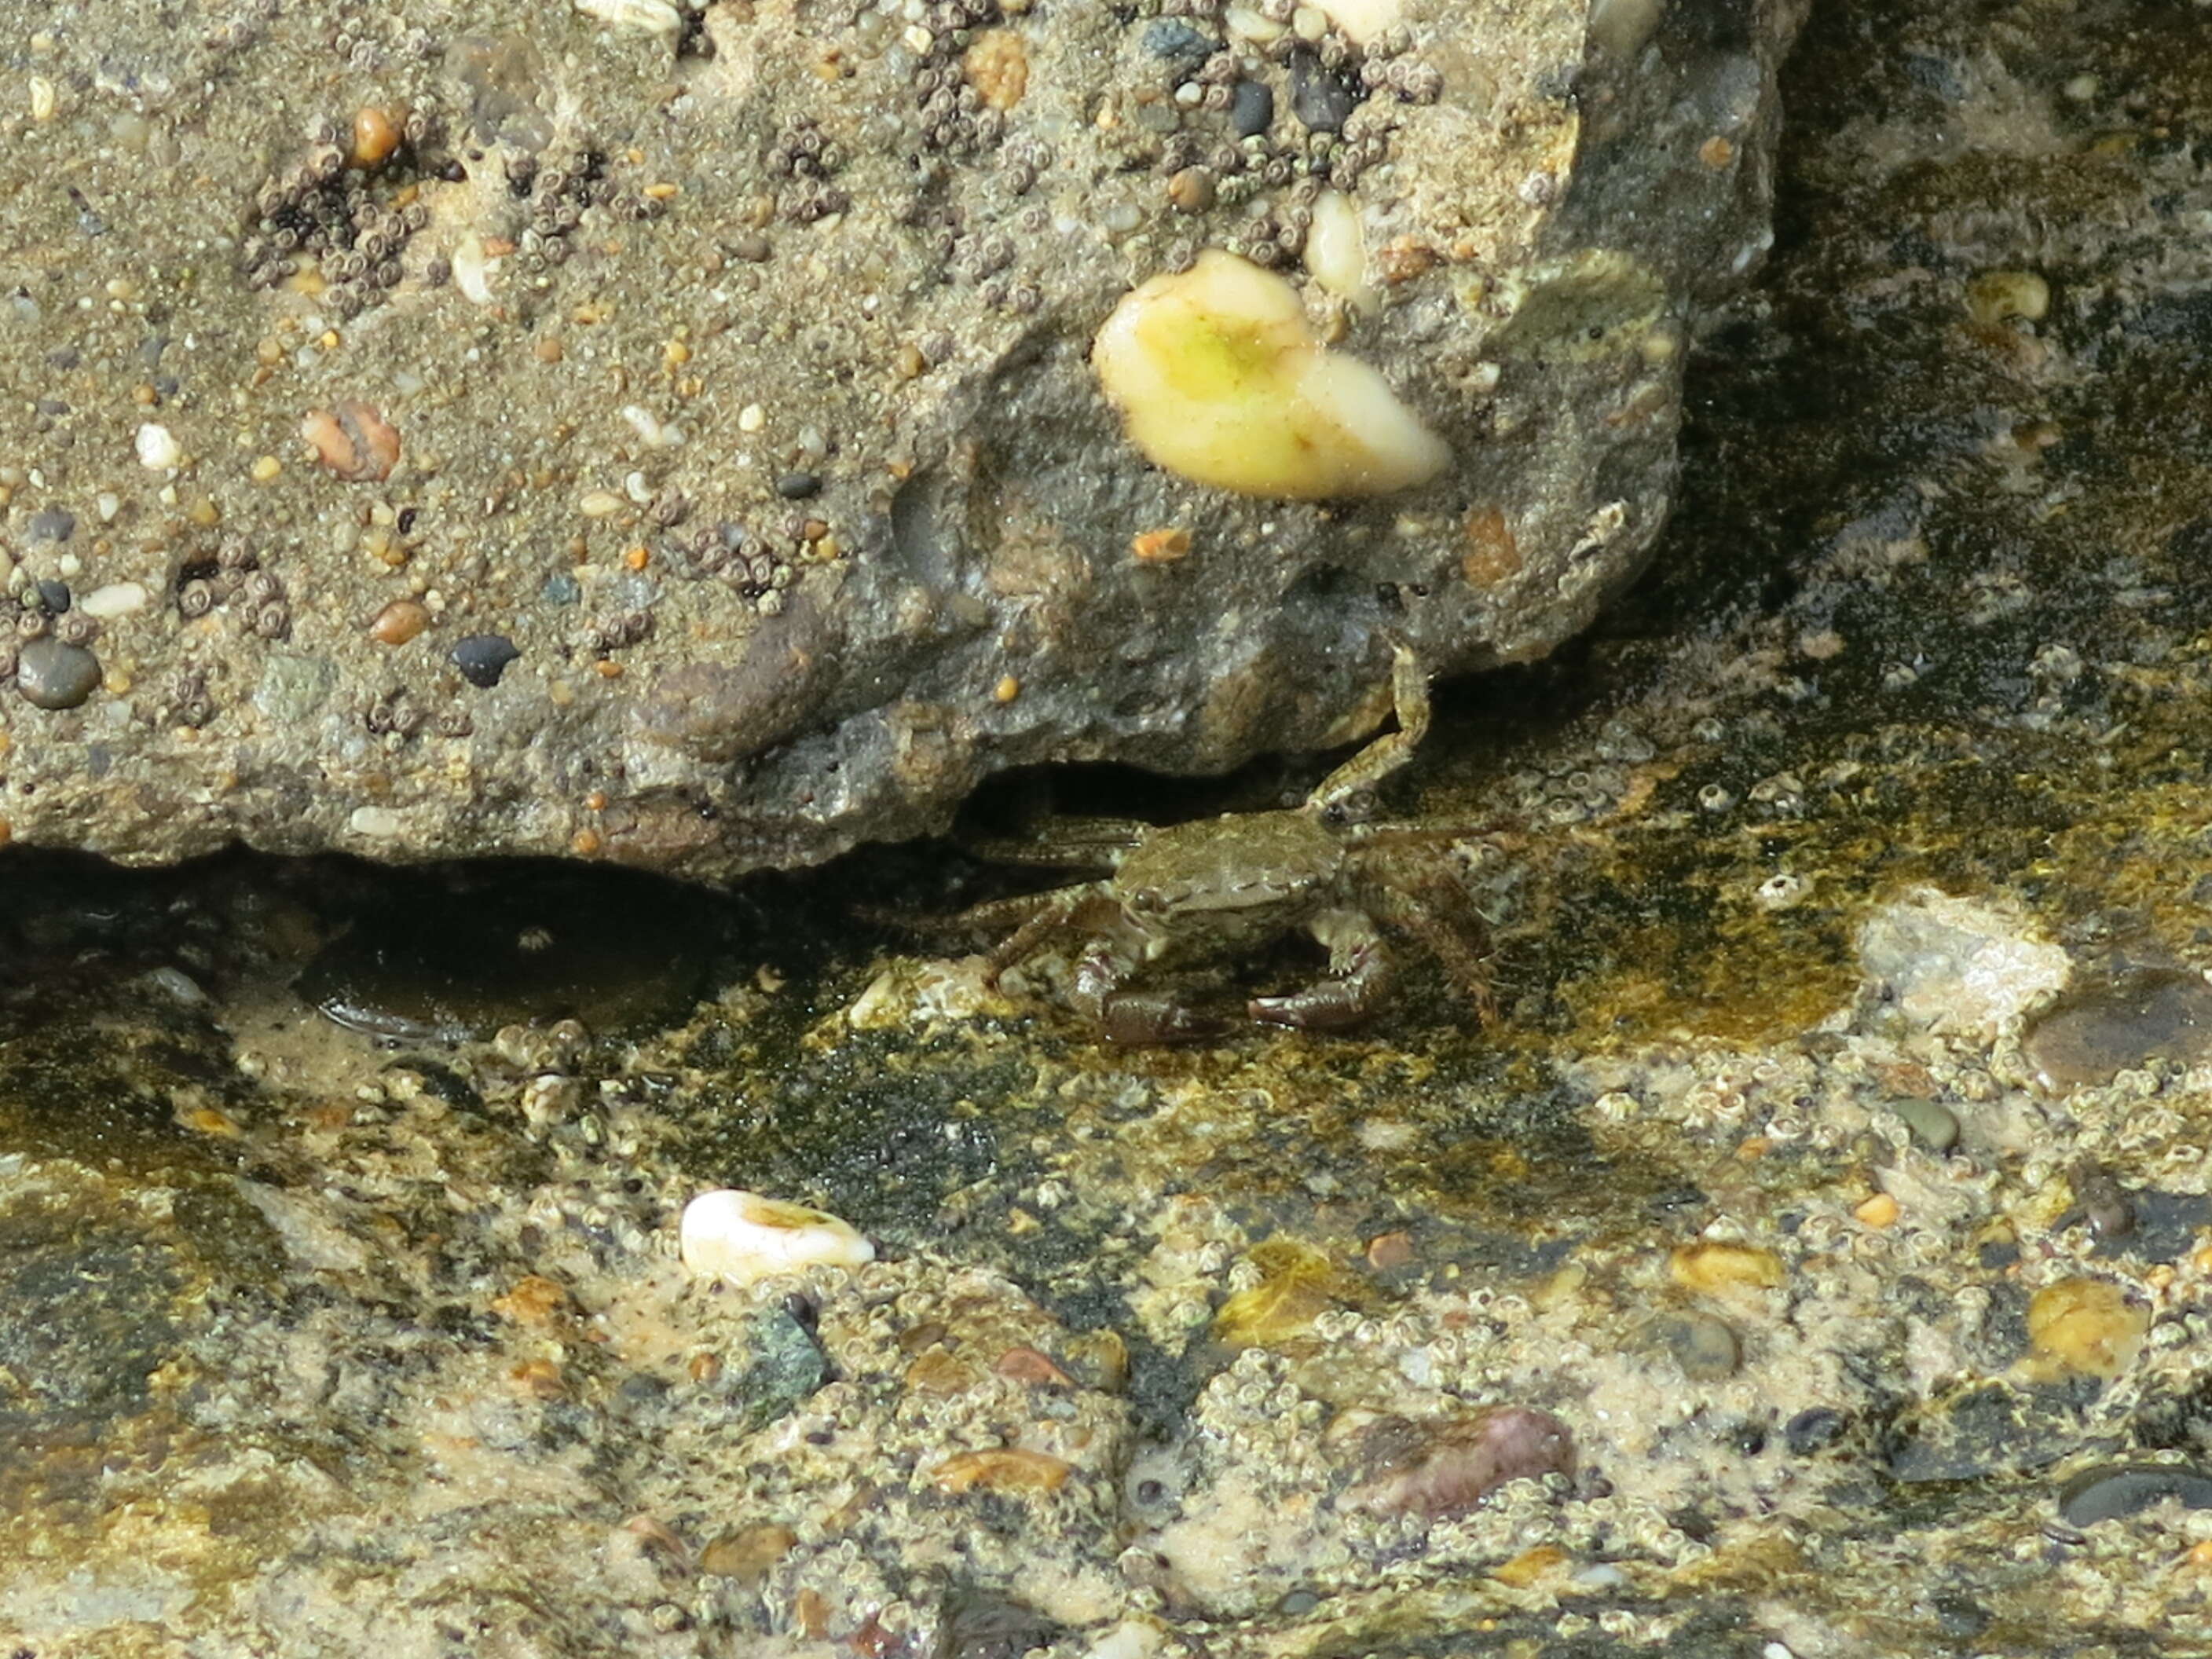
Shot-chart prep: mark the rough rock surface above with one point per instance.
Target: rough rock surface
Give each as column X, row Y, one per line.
column 667, row 435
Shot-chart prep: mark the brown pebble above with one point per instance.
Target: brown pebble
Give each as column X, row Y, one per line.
column 375, row 135
column 1446, row 1468
column 353, row 441
column 1388, row 1251
column 937, row 1372
column 533, row 1301
column 1027, row 1365
column 1159, row 546
column 1010, row 1470
column 1191, row 190
column 400, row 622
column 748, row 1553
column 1716, row 1266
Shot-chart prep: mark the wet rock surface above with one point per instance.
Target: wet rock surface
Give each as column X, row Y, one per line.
column 714, row 380
column 1791, row 884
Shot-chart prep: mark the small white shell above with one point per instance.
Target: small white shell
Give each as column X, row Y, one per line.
column 641, row 16
column 740, row 1238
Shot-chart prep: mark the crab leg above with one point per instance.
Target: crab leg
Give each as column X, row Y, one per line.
column 1134, row 1017
column 1059, row 910
column 1409, row 691
column 1359, row 971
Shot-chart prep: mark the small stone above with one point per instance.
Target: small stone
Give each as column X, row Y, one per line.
column 2110, row 1492
column 51, row 524
column 1251, row 108
column 1705, row 1347
column 114, row 599
column 1934, row 1127
column 1442, row 1468
column 53, row 595
column 1813, row 1430
column 2087, row 1326
column 52, row 675
column 400, row 622
column 158, row 448
column 1716, row 1266
column 798, row 486
column 483, row 657
column 1322, row 101
column 1180, row 46
column 740, row 1238
column 1010, row 1470
column 749, row 1553
column 1190, row 189
column 353, row 441
column 2099, row 1029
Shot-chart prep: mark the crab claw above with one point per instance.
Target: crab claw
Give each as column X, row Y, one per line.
column 1140, row 1021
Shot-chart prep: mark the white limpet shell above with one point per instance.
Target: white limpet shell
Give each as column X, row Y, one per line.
column 1219, row 377
column 1363, row 20
column 1336, row 251
column 741, row 1238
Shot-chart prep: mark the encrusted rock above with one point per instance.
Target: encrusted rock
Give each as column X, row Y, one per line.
column 803, row 313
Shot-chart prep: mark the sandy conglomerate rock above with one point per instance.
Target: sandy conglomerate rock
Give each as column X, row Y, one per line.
column 714, row 385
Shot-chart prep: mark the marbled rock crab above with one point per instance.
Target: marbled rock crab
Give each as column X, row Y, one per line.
column 1184, row 893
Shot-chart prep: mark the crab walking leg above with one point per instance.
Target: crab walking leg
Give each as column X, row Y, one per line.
column 1409, row 691
column 1360, row 970
column 1042, row 924
column 1133, row 1017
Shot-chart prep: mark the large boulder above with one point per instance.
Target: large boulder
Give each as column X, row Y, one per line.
column 671, row 436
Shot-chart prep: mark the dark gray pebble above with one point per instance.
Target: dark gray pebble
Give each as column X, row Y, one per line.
column 798, row 486
column 1319, row 98
column 52, row 675
column 1251, row 108
column 54, row 595
column 1813, row 1431
column 1179, row 46
column 483, row 657
column 2103, row 1029
column 52, row 524
column 2107, row 1493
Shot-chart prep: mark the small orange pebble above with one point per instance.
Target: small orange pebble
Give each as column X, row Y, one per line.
column 1011, row 1470
column 1880, row 1211
column 1402, row 258
column 498, row 248
column 608, row 671
column 1717, row 152
column 547, row 349
column 400, row 622
column 1388, row 1251
column 376, row 134
column 2199, row 1555
column 704, row 1367
column 662, row 192
column 534, row 1300
column 1159, row 546
column 1493, row 552
column 1027, row 1365
column 585, row 842
column 1752, row 1148
column 1006, row 690
column 596, row 801
column 637, row 558
column 353, row 441
column 209, row 1121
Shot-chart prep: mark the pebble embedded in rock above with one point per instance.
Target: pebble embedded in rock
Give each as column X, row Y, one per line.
column 2086, row 1325
column 1813, row 1430
column 1442, row 1468
column 52, row 675
column 1179, row 46
column 1251, row 108
column 1319, row 98
column 483, row 657
column 2120, row 1025
column 1705, row 1348
column 52, row 524
column 798, row 486
column 2108, row 1493
column 741, row 1238
column 1934, row 1127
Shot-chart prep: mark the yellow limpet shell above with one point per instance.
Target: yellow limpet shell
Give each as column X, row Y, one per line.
column 1219, row 377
